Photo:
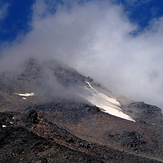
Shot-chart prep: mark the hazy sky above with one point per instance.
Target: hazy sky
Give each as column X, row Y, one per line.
column 118, row 42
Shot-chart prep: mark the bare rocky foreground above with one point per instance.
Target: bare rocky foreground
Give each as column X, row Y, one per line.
column 32, row 138
column 43, row 119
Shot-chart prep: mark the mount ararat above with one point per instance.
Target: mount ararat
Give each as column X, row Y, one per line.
column 49, row 112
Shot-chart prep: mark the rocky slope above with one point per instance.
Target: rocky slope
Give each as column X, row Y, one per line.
column 32, row 138
column 58, row 124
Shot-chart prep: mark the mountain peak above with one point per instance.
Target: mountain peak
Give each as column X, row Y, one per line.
column 54, row 101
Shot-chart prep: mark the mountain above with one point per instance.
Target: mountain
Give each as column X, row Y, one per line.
column 52, row 113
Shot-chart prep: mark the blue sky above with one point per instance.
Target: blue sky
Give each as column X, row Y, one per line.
column 116, row 42
column 16, row 18
column 141, row 12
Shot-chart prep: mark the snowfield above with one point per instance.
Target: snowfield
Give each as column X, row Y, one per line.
column 105, row 103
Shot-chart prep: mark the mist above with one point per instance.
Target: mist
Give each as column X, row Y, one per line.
column 95, row 38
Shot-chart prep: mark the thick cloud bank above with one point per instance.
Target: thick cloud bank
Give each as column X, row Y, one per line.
column 95, row 38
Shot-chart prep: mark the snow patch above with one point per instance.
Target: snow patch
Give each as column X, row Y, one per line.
column 25, row 94
column 107, row 104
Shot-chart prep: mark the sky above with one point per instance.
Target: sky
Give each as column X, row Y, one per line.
column 116, row 42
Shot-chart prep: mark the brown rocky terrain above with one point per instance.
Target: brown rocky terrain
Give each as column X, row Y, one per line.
column 57, row 125
column 32, row 138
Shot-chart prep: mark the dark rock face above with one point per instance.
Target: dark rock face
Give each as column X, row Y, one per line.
column 149, row 110
column 95, row 110
column 32, row 116
column 145, row 113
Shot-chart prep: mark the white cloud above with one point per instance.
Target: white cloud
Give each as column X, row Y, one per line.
column 94, row 38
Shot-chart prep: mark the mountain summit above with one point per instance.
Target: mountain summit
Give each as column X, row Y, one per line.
column 52, row 113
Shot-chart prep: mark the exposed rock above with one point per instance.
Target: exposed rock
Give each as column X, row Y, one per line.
column 40, row 143
column 32, row 116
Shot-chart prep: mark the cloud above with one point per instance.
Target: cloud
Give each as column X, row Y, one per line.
column 94, row 37
column 3, row 11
